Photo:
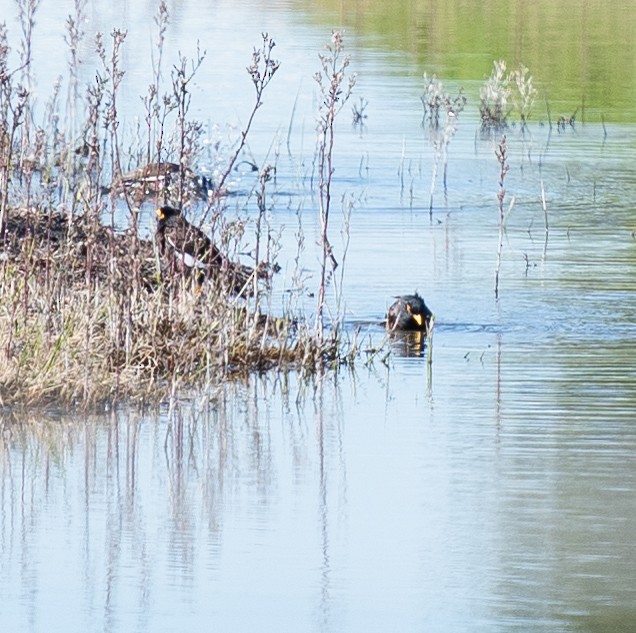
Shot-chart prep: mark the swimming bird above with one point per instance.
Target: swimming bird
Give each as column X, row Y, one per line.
column 408, row 312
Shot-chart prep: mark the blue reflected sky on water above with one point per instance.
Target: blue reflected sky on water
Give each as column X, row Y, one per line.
column 495, row 494
column 362, row 505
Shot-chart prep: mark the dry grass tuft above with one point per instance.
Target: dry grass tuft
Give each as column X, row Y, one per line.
column 88, row 317
column 92, row 313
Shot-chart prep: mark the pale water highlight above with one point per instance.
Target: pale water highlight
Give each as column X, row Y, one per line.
column 490, row 491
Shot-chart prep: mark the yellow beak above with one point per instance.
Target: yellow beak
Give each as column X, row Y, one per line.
column 160, row 214
column 418, row 318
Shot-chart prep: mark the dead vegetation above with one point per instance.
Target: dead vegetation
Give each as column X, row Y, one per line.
column 91, row 312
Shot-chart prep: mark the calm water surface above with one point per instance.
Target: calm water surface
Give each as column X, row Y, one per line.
column 494, row 491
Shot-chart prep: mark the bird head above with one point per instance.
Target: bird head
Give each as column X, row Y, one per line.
column 166, row 213
column 417, row 317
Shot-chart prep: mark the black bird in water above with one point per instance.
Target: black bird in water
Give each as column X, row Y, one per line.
column 192, row 251
column 408, row 313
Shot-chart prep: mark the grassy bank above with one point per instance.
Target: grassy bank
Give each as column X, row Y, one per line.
column 89, row 315
column 90, row 311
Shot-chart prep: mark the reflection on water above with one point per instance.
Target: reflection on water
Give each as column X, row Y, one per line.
column 363, row 503
column 579, row 52
column 408, row 343
column 491, row 490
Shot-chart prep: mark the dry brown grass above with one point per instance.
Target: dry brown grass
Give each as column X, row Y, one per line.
column 89, row 311
column 87, row 316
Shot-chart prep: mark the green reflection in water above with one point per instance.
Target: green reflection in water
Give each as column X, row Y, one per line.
column 581, row 54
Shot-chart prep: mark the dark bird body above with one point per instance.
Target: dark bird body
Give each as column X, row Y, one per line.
column 192, row 251
column 408, row 313
column 188, row 242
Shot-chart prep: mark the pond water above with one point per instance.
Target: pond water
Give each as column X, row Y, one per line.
column 492, row 490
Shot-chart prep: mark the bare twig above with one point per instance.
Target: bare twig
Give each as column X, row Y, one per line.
column 502, row 155
column 334, row 95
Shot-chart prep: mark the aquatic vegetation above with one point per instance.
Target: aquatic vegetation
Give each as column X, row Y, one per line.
column 436, row 100
column 494, row 96
column 88, row 316
column 563, row 122
column 358, row 111
column 502, row 158
column 524, row 95
column 92, row 312
column 503, row 93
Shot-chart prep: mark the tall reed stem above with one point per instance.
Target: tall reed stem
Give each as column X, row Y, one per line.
column 330, row 82
column 501, row 153
column 261, row 70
